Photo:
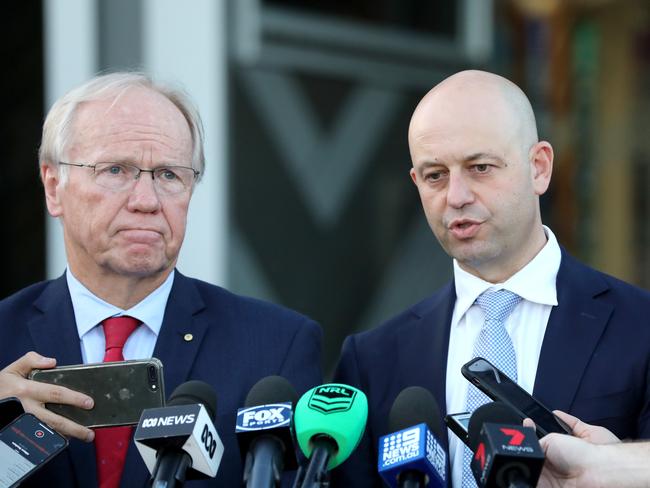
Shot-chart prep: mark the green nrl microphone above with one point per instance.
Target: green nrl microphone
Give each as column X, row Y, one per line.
column 329, row 421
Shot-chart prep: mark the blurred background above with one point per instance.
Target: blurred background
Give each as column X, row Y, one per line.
column 306, row 200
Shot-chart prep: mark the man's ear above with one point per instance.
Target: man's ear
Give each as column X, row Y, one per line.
column 541, row 160
column 414, row 176
column 50, row 178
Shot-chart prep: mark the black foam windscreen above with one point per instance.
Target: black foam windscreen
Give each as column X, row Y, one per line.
column 271, row 389
column 195, row 391
column 415, row 405
column 493, row 412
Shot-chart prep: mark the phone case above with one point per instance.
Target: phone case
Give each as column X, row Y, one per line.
column 455, row 424
column 516, row 397
column 121, row 390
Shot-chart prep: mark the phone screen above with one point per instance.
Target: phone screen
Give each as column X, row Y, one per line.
column 498, row 386
column 25, row 445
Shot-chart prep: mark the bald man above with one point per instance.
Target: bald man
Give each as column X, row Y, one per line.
column 575, row 338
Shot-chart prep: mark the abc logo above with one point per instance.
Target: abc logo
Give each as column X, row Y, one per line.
column 208, row 441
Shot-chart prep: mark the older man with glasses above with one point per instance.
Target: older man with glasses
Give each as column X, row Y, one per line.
column 123, row 231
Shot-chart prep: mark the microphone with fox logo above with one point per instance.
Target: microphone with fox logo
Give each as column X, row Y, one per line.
column 180, row 441
column 412, row 455
column 264, row 432
column 506, row 454
column 329, row 422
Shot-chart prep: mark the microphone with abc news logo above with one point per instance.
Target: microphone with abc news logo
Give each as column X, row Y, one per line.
column 264, row 432
column 180, row 441
column 412, row 455
column 506, row 454
column 328, row 422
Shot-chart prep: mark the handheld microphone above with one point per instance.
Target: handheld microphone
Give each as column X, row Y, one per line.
column 412, row 455
column 506, row 454
column 264, row 432
column 180, row 441
column 329, row 422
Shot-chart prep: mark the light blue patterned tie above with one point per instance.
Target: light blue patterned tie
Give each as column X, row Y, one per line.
column 494, row 344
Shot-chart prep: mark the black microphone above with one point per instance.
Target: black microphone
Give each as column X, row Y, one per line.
column 412, row 456
column 179, row 441
column 264, row 432
column 506, row 454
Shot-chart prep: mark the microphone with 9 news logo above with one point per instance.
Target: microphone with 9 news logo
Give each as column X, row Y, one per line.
column 264, row 432
column 506, row 454
column 180, row 441
column 412, row 455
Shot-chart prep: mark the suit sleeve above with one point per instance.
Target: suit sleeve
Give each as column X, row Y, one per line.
column 360, row 469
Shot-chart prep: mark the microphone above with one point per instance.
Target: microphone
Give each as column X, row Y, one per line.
column 412, row 455
column 180, row 441
column 329, row 422
column 506, row 454
column 264, row 432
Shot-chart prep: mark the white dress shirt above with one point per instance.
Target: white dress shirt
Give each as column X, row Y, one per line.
column 90, row 311
column 535, row 283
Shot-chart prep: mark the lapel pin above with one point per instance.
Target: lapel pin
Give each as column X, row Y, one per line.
column 188, row 337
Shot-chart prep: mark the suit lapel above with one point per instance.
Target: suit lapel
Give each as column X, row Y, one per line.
column 423, row 346
column 54, row 332
column 572, row 333
column 176, row 353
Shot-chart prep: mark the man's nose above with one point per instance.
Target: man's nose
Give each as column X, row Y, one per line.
column 459, row 192
column 144, row 195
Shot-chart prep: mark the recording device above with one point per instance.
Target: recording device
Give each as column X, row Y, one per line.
column 498, row 386
column 179, row 441
column 458, row 423
column 264, row 432
column 412, row 455
column 26, row 445
column 328, row 422
column 506, row 454
column 121, row 390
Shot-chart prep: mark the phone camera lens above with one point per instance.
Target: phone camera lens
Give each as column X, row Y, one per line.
column 153, row 375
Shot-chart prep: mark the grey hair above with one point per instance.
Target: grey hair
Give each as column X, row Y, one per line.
column 57, row 127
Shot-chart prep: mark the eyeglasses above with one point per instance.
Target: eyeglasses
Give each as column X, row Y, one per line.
column 168, row 180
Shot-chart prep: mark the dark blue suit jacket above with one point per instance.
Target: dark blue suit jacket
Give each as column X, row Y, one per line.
column 594, row 362
column 237, row 341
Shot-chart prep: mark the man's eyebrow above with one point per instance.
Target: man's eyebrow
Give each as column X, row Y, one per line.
column 480, row 155
column 427, row 164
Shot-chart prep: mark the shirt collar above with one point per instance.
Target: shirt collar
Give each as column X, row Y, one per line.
column 535, row 282
column 90, row 310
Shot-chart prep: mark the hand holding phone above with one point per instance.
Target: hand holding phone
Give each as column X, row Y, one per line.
column 32, row 395
column 121, row 390
column 498, row 386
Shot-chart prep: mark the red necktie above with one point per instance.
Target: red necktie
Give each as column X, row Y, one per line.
column 111, row 443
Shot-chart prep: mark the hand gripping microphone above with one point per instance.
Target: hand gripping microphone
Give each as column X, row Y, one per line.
column 264, row 432
column 412, row 456
column 506, row 454
column 329, row 422
column 180, row 441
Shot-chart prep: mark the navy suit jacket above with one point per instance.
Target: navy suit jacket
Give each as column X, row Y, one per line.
column 237, row 341
column 594, row 361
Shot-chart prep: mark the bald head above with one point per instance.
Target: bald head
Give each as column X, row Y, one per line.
column 472, row 100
